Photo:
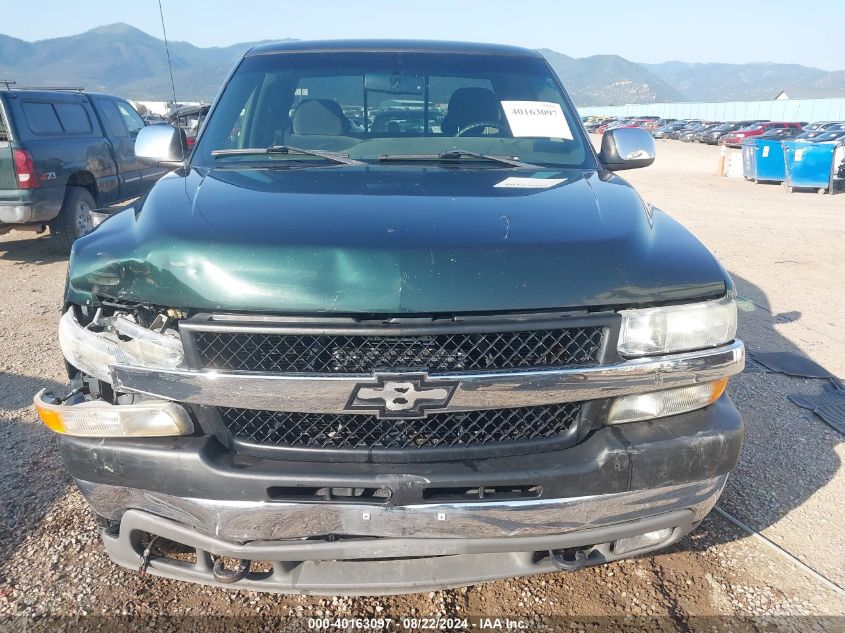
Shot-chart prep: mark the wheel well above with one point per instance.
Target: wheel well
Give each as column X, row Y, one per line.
column 84, row 179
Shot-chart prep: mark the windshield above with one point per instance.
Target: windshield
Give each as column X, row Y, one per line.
column 373, row 106
column 830, row 136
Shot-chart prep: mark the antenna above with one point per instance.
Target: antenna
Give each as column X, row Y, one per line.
column 167, row 48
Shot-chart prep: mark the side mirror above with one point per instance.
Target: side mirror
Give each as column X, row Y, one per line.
column 161, row 143
column 626, row 148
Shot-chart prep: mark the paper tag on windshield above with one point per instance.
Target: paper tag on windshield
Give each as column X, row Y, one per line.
column 765, row 151
column 799, row 155
column 536, row 119
column 529, row 183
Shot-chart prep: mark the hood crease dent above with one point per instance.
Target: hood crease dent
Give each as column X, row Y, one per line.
column 392, row 240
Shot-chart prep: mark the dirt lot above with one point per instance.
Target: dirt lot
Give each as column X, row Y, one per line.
column 784, row 252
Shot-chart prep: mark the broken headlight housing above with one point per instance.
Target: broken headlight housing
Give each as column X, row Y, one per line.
column 677, row 328
column 117, row 340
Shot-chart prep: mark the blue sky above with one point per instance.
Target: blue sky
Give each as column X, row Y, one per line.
column 651, row 31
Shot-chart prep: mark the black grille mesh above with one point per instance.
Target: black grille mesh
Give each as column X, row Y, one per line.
column 442, row 430
column 433, row 352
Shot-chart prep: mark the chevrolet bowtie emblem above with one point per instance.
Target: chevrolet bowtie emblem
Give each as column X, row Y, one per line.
column 401, row 396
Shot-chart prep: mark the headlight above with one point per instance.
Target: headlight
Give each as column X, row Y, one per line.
column 153, row 418
column 120, row 342
column 658, row 404
column 677, row 328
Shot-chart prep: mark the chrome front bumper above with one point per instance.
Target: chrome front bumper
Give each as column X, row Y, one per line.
column 330, row 393
column 318, row 393
column 244, row 521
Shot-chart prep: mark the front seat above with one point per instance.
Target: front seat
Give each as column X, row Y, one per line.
column 470, row 105
column 319, row 124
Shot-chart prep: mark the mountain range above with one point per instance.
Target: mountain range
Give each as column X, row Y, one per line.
column 121, row 59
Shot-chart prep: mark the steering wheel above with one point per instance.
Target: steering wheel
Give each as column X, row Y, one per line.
column 481, row 124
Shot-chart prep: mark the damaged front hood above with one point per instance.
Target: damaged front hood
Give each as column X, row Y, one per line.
column 392, row 239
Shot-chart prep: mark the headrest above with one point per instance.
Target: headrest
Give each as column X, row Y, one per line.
column 470, row 105
column 320, row 116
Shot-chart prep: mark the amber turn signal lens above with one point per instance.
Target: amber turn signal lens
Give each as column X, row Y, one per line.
column 659, row 404
column 51, row 419
column 718, row 389
column 151, row 418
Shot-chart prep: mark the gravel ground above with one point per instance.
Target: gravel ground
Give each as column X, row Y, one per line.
column 784, row 252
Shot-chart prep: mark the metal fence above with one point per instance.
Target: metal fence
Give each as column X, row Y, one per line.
column 787, row 110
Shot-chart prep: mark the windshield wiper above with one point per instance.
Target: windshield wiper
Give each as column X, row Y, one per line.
column 287, row 149
column 457, row 154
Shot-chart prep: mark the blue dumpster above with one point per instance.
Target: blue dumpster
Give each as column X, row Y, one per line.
column 748, row 158
column 810, row 165
column 769, row 163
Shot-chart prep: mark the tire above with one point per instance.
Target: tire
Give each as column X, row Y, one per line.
column 74, row 220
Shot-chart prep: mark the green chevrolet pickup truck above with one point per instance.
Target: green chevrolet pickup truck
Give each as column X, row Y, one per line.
column 63, row 154
column 324, row 356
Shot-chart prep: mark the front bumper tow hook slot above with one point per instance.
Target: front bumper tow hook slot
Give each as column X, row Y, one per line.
column 226, row 576
column 573, row 561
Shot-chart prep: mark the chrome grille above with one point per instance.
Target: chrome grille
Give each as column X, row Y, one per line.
column 341, row 353
column 442, row 430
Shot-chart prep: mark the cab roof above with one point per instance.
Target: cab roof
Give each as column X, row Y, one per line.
column 57, row 93
column 385, row 45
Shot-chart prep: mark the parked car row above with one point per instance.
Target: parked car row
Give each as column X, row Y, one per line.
column 759, row 128
column 730, row 133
